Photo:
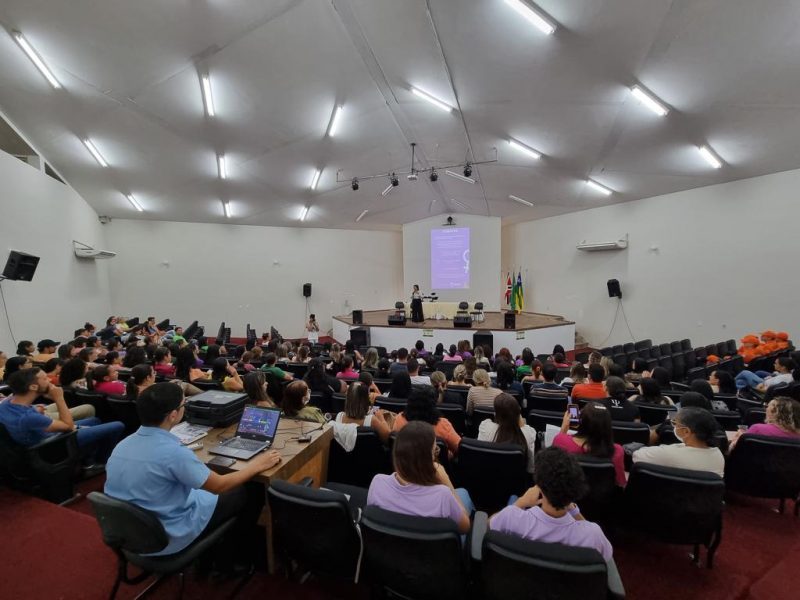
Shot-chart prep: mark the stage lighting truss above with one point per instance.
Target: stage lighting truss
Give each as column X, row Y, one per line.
column 412, row 174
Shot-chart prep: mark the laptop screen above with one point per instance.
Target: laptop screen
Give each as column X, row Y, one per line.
column 259, row 421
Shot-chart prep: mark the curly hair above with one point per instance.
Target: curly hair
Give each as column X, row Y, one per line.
column 559, row 476
column 785, row 413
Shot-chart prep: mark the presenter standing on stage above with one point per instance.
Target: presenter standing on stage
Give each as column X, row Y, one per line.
column 312, row 328
column 416, row 305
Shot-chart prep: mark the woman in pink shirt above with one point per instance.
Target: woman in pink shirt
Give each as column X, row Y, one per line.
column 106, row 381
column 593, row 437
column 783, row 420
column 347, row 371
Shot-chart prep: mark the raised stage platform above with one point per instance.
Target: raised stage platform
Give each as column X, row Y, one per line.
column 538, row 331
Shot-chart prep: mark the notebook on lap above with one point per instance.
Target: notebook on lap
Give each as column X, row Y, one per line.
column 256, row 431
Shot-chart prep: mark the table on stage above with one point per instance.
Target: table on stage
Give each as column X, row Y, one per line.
column 297, row 461
column 444, row 310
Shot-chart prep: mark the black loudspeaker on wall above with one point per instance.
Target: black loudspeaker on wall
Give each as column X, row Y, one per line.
column 614, row 288
column 360, row 336
column 358, row 319
column 307, row 290
column 483, row 339
column 20, row 266
column 510, row 320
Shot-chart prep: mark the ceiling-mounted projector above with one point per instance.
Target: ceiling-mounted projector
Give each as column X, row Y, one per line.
column 84, row 251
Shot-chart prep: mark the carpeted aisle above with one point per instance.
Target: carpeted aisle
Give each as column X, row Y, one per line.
column 51, row 552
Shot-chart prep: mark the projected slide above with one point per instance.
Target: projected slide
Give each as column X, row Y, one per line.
column 450, row 258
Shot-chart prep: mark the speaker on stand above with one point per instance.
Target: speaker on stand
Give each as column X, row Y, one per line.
column 510, row 320
column 358, row 319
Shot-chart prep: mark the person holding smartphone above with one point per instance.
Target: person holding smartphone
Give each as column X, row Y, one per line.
column 312, row 329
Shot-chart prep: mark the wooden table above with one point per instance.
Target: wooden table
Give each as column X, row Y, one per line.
column 297, row 461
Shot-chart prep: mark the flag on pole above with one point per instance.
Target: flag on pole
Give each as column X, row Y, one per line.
column 519, row 293
column 513, row 302
column 508, row 288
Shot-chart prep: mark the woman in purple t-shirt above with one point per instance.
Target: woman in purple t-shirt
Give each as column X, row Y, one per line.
column 419, row 486
column 783, row 420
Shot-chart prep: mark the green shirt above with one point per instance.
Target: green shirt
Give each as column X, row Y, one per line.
column 277, row 371
column 523, row 370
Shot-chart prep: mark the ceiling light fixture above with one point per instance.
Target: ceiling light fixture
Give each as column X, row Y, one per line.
column 527, row 150
column 226, row 208
column 334, row 122
column 134, row 203
column 541, row 22
column 599, row 188
column 304, row 214
column 460, row 204
column 459, row 176
column 36, row 59
column 519, row 200
column 315, row 179
column 222, row 166
column 208, row 98
column 362, row 215
column 650, row 101
column 435, row 101
column 710, row 156
column 95, row 152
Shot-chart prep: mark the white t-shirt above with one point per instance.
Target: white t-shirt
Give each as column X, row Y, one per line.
column 682, row 456
column 779, row 379
column 420, row 380
column 488, row 429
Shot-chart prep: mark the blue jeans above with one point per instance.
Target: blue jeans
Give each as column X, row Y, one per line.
column 96, row 439
column 463, row 495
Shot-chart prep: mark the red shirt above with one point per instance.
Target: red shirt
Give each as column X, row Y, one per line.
column 589, row 390
column 114, row 388
column 566, row 442
column 166, row 370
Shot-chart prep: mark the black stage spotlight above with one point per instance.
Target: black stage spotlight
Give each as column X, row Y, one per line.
column 434, row 175
column 394, row 180
column 467, row 170
column 354, row 184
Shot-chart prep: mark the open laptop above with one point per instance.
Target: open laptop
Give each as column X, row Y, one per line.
column 256, row 431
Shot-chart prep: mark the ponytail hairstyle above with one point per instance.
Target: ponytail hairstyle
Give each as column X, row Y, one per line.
column 138, row 375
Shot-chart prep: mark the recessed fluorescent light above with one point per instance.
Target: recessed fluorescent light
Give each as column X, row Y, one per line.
column 208, row 98
column 710, row 156
column 460, row 176
column 134, row 203
column 362, row 215
column 36, row 59
column 304, row 213
column 388, row 189
column 520, row 147
column 542, row 23
column 93, row 149
column 650, row 101
column 460, row 204
column 520, row 200
column 315, row 179
column 599, row 188
column 435, row 101
column 335, row 118
column 226, row 208
column 222, row 166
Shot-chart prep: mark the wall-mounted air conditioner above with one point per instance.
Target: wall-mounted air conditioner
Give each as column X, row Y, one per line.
column 84, row 251
column 619, row 244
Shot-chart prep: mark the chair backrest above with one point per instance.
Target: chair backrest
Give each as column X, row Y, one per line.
column 655, row 414
column 360, row 465
column 666, row 361
column 728, row 420
column 125, row 410
column 628, row 347
column 601, row 477
column 446, row 367
column 677, row 506
column 626, row 432
column 479, row 415
column 686, row 344
column 456, row 415
column 540, row 419
column 642, row 344
column 678, row 366
column 676, row 346
column 764, row 466
column 413, row 557
column 127, row 527
column 322, row 401
column 207, row 384
column 548, row 403
column 299, row 370
column 463, row 305
column 514, row 567
column 12, row 455
column 315, row 528
column 491, row 472
column 695, row 373
column 754, row 415
column 690, row 359
column 395, row 405
column 399, row 305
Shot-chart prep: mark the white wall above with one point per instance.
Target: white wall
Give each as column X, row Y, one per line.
column 228, row 272
column 42, row 216
column 484, row 259
column 709, row 264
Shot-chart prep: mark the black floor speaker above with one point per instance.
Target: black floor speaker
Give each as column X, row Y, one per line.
column 20, row 266
column 360, row 336
column 397, row 320
column 358, row 318
column 510, row 320
column 462, row 321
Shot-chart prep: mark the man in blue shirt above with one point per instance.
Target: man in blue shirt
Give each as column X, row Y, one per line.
column 28, row 424
column 151, row 469
column 549, row 387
